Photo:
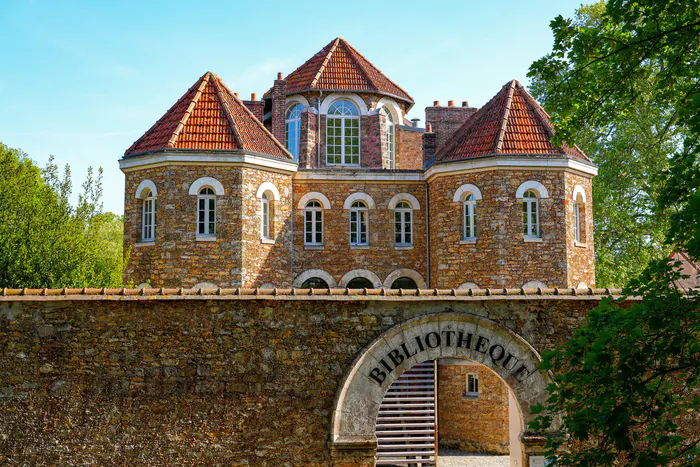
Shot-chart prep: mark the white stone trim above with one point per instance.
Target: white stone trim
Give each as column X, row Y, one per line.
column 578, row 190
column 309, row 273
column 352, row 97
column 202, row 182
column 169, row 158
column 464, row 190
column 412, row 200
column 532, row 185
column 405, row 272
column 146, row 184
column 359, row 197
column 296, row 99
column 268, row 186
column 468, row 285
column 314, row 196
column 393, row 107
column 512, row 161
column 534, row 285
column 364, row 273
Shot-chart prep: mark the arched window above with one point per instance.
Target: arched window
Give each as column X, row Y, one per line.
column 358, row 223
column 469, row 218
column 360, row 283
column 313, row 223
column 579, row 206
column 293, row 127
column 265, row 216
column 148, row 222
column 343, row 134
column 404, row 283
column 314, row 283
column 531, row 214
column 403, row 224
column 206, row 212
column 577, row 222
column 390, row 138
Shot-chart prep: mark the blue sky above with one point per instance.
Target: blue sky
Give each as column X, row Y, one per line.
column 83, row 80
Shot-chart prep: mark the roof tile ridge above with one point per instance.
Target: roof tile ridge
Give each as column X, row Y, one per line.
column 220, row 93
column 353, row 53
column 466, row 126
column 504, row 117
column 186, row 116
column 354, row 50
column 322, row 68
column 255, row 119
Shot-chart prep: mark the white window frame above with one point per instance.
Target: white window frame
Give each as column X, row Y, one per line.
column 265, row 217
column 293, row 127
column 148, row 219
column 531, row 205
column 313, row 216
column 469, row 217
column 404, row 212
column 390, row 137
column 204, row 216
column 361, row 213
column 472, row 385
column 344, row 119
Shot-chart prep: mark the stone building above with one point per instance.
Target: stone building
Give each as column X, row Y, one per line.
column 324, row 182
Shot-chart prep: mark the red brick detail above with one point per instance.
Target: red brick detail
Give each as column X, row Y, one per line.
column 409, row 148
column 208, row 117
column 279, row 107
column 429, row 147
column 373, row 144
column 257, row 108
column 512, row 122
column 445, row 121
column 308, row 141
column 340, row 67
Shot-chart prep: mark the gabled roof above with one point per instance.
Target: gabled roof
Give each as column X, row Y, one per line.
column 209, row 117
column 340, row 67
column 511, row 123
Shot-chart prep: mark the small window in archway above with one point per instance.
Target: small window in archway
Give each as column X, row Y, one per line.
column 314, row 283
column 473, row 385
column 531, row 215
column 404, row 283
column 360, row 283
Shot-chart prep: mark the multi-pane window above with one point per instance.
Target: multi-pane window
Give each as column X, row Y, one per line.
column 265, row 216
column 206, row 212
column 390, row 138
column 313, row 223
column 343, row 134
column 403, row 224
column 293, row 127
column 469, row 218
column 148, row 224
column 472, row 384
column 577, row 222
column 531, row 215
column 358, row 223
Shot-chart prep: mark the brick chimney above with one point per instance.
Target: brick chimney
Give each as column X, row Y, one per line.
column 446, row 120
column 429, row 145
column 279, row 102
column 256, row 106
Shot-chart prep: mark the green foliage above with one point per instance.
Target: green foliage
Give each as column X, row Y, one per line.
column 44, row 241
column 624, row 79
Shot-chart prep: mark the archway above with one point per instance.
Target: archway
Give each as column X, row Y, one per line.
column 428, row 338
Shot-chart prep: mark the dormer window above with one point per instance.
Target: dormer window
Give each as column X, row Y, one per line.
column 343, row 134
column 293, row 127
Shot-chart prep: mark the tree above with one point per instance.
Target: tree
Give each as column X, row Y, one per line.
column 44, row 241
column 628, row 386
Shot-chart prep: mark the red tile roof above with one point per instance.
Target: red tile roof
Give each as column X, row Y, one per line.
column 209, row 117
column 512, row 122
column 340, row 67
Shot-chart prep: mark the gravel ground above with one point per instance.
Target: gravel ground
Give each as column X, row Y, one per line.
column 450, row 458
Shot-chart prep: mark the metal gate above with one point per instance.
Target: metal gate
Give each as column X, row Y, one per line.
column 407, row 421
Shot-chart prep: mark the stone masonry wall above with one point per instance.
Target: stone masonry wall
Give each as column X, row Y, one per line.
column 580, row 256
column 500, row 257
column 474, row 424
column 409, row 148
column 205, row 380
column 381, row 257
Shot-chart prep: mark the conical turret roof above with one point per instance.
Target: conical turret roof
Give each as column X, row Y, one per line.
column 511, row 123
column 340, row 67
column 209, row 117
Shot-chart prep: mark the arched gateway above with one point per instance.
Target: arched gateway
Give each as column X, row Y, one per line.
column 427, row 338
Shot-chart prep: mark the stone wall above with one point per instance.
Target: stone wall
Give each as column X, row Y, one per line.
column 580, row 255
column 409, row 148
column 500, row 257
column 197, row 380
column 469, row 423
